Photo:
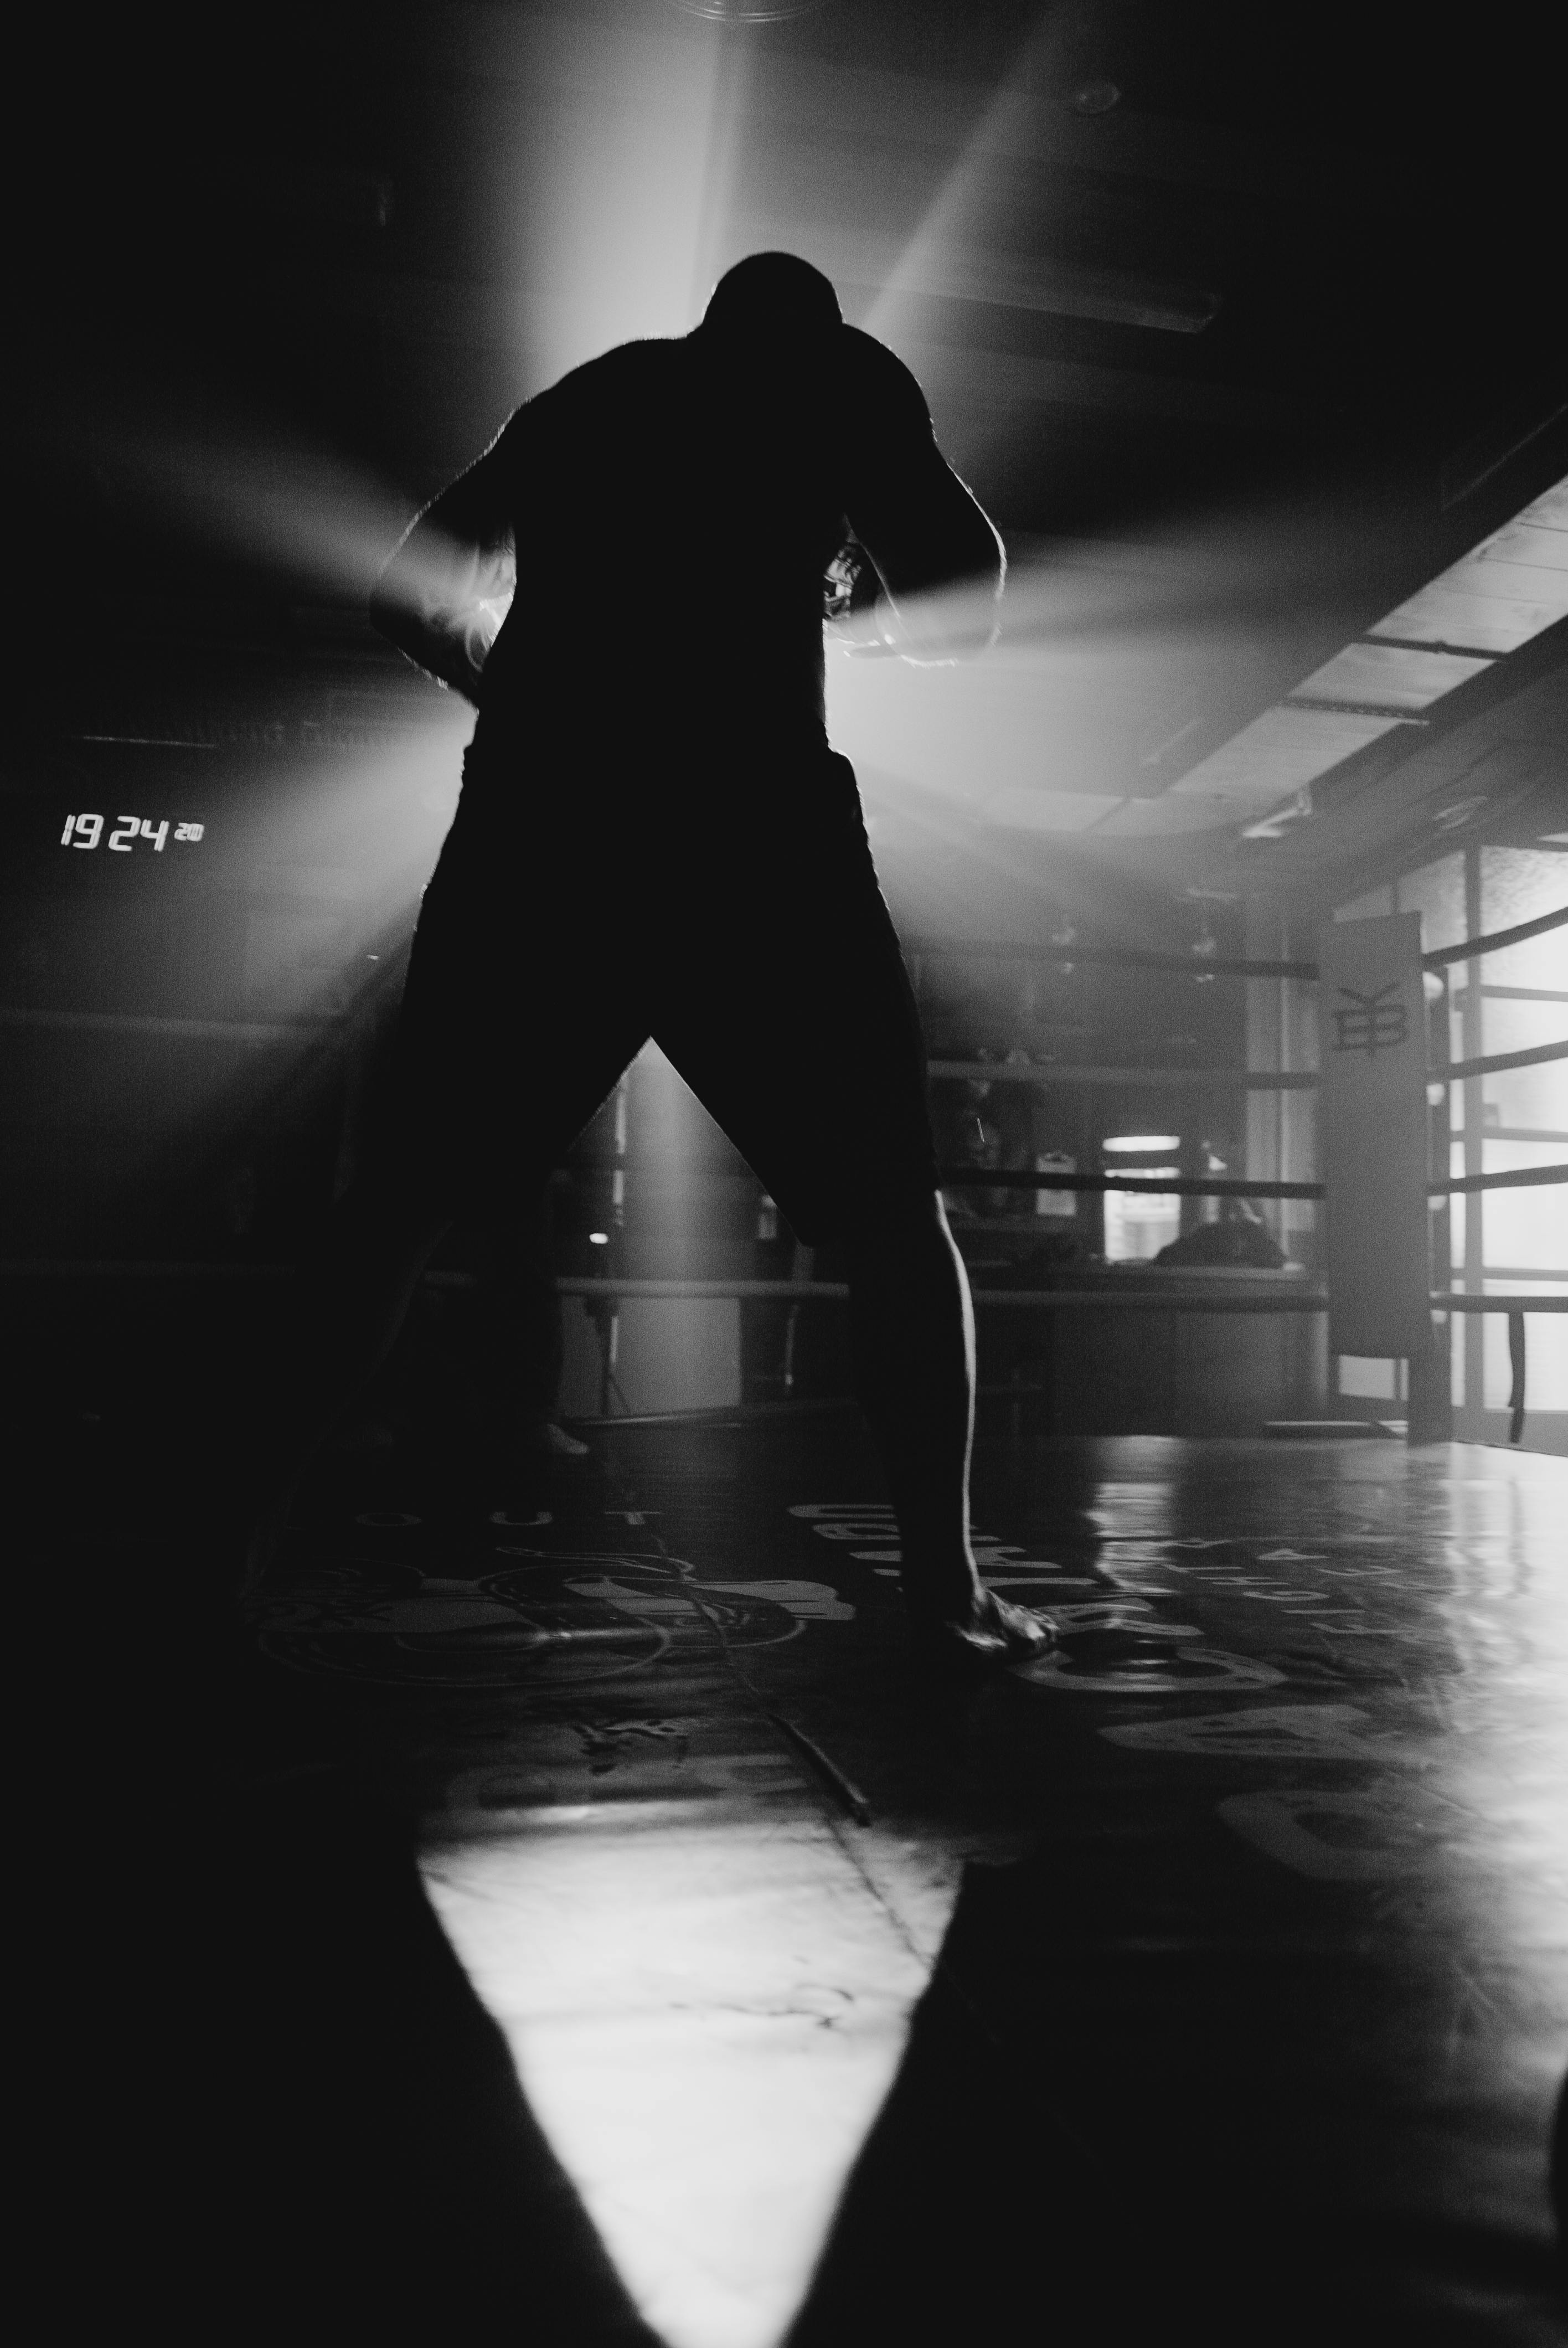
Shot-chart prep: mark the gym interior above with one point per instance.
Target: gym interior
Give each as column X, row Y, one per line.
column 547, row 1903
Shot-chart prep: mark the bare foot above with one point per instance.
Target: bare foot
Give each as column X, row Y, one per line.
column 996, row 1635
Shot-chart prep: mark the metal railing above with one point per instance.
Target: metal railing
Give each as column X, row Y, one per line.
column 1206, row 966
column 1046, row 1075
column 1280, row 1299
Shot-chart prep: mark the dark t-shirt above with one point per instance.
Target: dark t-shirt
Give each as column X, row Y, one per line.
column 675, row 507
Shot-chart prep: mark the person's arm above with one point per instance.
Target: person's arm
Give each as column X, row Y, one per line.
column 442, row 597
column 939, row 560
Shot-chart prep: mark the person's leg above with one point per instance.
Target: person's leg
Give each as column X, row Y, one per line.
column 913, row 1329
column 505, row 1356
column 913, row 1332
column 527, row 1344
column 533, row 1330
column 474, row 1118
column 355, row 1287
column 813, row 1061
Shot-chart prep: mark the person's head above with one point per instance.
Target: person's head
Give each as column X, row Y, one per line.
column 771, row 299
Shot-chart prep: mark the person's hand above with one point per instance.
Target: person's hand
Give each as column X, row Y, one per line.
column 932, row 629
column 869, row 633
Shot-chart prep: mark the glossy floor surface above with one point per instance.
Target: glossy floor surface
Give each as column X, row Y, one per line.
column 563, row 1915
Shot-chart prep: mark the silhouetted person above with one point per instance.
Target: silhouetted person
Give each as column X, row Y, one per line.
column 480, row 1364
column 654, row 837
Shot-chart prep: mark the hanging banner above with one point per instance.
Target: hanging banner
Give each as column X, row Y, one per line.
column 1373, row 1135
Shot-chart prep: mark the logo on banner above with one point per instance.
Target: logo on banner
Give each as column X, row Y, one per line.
column 1370, row 1022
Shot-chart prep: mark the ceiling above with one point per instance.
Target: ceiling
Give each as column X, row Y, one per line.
column 1242, row 322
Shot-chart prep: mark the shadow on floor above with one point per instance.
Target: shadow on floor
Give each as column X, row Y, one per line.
column 1055, row 2165
column 281, row 2111
column 272, row 2107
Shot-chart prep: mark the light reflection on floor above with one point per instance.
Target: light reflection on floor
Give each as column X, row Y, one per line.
column 707, row 2002
column 1302, row 1756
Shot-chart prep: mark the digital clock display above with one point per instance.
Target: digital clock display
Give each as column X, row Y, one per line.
column 87, row 831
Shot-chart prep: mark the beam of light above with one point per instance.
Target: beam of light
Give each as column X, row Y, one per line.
column 1267, row 567
column 294, row 511
column 1101, row 662
column 247, row 487
column 627, row 200
column 950, row 876
column 959, row 246
column 349, row 839
column 1076, row 721
column 360, row 831
column 1114, row 657
column 286, row 507
column 1080, row 724
column 969, row 211
column 707, row 2004
column 1079, row 711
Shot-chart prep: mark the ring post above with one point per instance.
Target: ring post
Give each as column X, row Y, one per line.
column 1374, row 1139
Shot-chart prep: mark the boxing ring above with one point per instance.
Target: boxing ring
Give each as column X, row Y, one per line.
column 1066, row 1294
column 1231, row 1934
column 1432, row 1420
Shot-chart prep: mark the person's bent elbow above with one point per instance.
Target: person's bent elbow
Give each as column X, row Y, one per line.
column 953, row 619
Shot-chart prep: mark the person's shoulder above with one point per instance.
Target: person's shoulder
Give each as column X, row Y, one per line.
column 608, row 367
column 873, row 372
column 616, row 371
column 633, row 374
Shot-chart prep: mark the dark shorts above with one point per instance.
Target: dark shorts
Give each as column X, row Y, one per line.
column 727, row 907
